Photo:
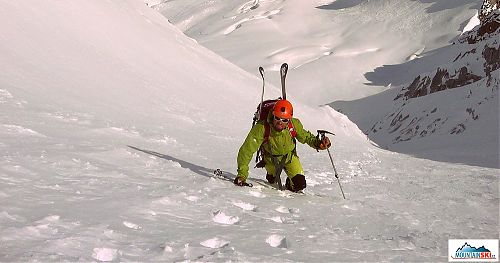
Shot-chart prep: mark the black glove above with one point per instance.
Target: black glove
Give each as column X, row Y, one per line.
column 240, row 181
column 324, row 143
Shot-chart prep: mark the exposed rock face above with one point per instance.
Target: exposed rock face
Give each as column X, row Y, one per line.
column 449, row 76
column 460, row 92
column 487, row 7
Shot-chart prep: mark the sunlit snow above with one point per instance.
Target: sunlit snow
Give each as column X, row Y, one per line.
column 113, row 121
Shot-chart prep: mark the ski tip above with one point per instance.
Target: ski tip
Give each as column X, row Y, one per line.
column 283, row 72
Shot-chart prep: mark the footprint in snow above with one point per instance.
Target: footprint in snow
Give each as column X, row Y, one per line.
column 221, row 218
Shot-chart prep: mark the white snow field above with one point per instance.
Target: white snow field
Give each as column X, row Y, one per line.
column 328, row 44
column 112, row 121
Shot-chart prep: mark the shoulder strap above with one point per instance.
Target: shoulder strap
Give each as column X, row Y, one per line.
column 292, row 130
column 267, row 131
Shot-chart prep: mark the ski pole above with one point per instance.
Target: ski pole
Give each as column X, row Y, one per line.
column 322, row 133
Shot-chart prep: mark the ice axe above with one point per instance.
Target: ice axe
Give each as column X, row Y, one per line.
column 322, row 134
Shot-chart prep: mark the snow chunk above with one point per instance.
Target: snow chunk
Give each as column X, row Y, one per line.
column 214, row 243
column 276, row 241
column 5, row 95
column 277, row 219
column 350, row 207
column 168, row 249
column 131, row 225
column 283, row 220
column 105, row 254
column 192, row 198
column 245, row 206
column 221, row 218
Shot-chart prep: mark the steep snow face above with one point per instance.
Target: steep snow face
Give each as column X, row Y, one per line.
column 329, row 45
column 450, row 113
column 112, row 122
column 473, row 22
column 125, row 67
column 128, row 57
column 117, row 67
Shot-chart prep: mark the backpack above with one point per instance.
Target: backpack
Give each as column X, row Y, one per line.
column 261, row 114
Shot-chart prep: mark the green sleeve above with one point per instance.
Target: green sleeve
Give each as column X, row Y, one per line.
column 252, row 143
column 305, row 136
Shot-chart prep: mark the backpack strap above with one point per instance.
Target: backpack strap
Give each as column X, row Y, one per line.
column 292, row 130
column 293, row 133
column 267, row 131
column 259, row 160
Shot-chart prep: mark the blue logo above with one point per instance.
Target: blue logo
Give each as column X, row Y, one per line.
column 469, row 252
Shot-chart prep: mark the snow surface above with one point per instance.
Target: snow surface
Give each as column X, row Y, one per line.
column 459, row 124
column 345, row 50
column 328, row 44
column 473, row 22
column 113, row 121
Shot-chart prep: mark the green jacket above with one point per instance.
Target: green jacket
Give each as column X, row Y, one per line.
column 280, row 143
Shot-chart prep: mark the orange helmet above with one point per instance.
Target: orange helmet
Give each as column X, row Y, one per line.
column 283, row 109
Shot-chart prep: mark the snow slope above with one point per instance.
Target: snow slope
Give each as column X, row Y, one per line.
column 448, row 109
column 329, row 45
column 345, row 50
column 112, row 122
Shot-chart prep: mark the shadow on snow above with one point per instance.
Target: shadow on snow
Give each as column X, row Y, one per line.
column 207, row 172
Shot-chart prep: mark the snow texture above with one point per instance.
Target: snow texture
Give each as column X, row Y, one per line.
column 113, row 121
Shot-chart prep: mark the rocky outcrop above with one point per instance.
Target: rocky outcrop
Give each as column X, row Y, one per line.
column 487, row 7
column 463, row 70
column 451, row 98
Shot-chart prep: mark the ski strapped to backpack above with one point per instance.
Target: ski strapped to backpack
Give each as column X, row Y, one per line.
column 263, row 109
column 264, row 106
